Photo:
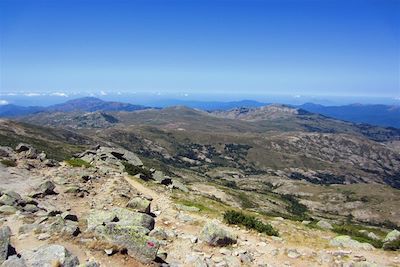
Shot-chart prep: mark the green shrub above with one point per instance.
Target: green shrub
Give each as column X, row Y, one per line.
column 250, row 222
column 8, row 163
column 295, row 207
column 392, row 245
column 133, row 170
column 246, row 202
column 230, row 184
column 74, row 162
column 354, row 232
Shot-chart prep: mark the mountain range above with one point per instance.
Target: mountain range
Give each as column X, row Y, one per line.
column 381, row 115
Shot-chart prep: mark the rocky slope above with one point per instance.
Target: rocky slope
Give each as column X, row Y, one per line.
column 54, row 214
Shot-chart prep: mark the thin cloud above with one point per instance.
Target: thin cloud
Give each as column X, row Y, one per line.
column 3, row 102
column 59, row 94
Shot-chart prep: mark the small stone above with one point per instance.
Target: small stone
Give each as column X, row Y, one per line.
column 43, row 236
column 293, row 254
column 7, row 210
column 109, row 251
column 225, row 251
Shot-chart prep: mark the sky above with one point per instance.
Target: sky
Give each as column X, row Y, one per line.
column 293, row 47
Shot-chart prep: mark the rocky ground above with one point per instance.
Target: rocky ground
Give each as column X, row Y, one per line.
column 54, row 214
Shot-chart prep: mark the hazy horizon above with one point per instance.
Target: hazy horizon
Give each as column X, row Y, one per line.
column 167, row 99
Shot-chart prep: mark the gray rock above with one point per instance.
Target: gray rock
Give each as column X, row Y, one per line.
column 110, row 157
column 27, row 150
column 10, row 198
column 232, row 261
column 392, row 236
column 72, row 189
column 160, row 234
column 61, row 226
column 27, row 228
column 97, row 218
column 5, row 151
column 139, row 204
column 138, row 244
column 373, row 236
column 7, row 200
column 184, row 217
column 293, row 254
column 30, row 208
column 178, row 185
column 42, row 156
column 48, row 255
column 324, row 225
column 51, row 163
column 43, row 236
column 216, row 235
column 158, row 176
column 246, row 258
column 346, row 242
column 44, row 189
column 5, row 234
column 7, row 210
column 14, row 261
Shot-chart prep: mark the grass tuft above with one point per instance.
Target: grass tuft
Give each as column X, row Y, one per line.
column 133, row 170
column 8, row 163
column 74, row 162
column 250, row 222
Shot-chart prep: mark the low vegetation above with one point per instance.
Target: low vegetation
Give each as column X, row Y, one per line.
column 134, row 170
column 74, row 162
column 250, row 222
column 8, row 163
column 392, row 245
column 245, row 201
column 354, row 232
column 298, row 210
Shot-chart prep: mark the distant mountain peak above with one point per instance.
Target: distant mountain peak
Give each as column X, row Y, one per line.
column 273, row 111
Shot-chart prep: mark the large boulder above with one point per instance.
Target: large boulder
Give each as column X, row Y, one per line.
column 126, row 228
column 324, row 225
column 345, row 241
column 139, row 204
column 112, row 157
column 98, row 218
column 27, row 151
column 65, row 227
column 14, row 261
column 392, row 236
column 5, row 151
column 7, row 210
column 44, row 189
column 5, row 234
column 10, row 198
column 49, row 256
column 392, row 240
column 216, row 235
column 134, row 239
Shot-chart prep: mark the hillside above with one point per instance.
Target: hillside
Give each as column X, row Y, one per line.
column 97, row 214
column 86, row 104
column 382, row 115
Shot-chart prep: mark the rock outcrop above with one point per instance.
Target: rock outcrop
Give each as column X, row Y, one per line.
column 214, row 234
column 5, row 234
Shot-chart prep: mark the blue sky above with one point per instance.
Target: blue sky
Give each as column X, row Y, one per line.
column 326, row 47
